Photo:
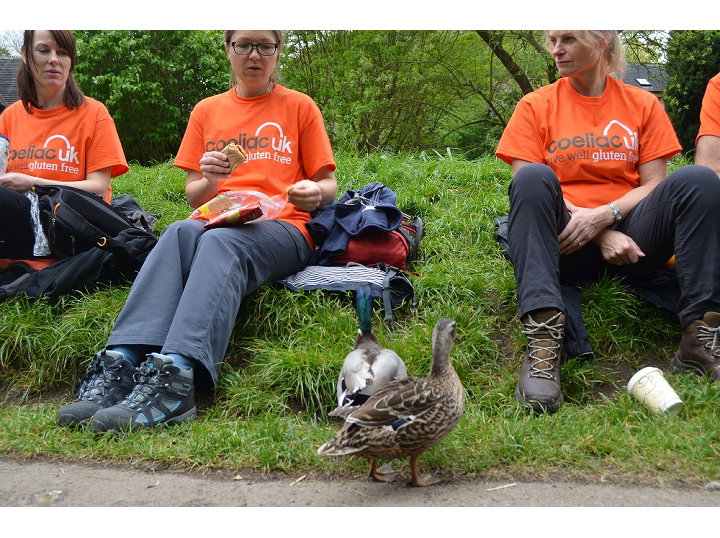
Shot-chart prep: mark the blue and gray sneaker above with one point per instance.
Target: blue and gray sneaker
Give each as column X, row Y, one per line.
column 108, row 380
column 163, row 394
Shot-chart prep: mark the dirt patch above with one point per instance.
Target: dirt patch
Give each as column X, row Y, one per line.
column 618, row 374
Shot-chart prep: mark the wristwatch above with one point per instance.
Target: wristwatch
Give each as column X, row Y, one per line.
column 617, row 214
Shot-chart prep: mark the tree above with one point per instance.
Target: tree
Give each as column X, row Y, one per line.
column 10, row 42
column 494, row 40
column 693, row 58
column 150, row 81
column 379, row 90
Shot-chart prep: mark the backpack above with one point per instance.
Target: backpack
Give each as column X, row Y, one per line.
column 75, row 221
column 98, row 244
column 397, row 248
column 366, row 227
column 85, row 271
column 501, row 235
column 363, row 238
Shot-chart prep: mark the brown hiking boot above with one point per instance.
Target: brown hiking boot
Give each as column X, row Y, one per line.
column 539, row 384
column 700, row 347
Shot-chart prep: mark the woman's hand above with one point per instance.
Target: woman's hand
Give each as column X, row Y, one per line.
column 215, row 167
column 306, row 195
column 618, row 248
column 96, row 182
column 17, row 182
column 309, row 194
column 200, row 187
column 585, row 224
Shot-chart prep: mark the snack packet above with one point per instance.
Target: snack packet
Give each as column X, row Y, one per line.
column 235, row 217
column 238, row 207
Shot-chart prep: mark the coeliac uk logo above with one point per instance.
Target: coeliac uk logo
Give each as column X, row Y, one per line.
column 57, row 154
column 268, row 142
column 617, row 142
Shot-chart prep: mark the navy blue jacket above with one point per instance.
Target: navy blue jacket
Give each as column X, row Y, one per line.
column 332, row 225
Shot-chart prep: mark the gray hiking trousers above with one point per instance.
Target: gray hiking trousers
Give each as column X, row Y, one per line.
column 187, row 295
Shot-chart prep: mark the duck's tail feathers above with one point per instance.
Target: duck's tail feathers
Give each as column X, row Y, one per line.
column 333, row 448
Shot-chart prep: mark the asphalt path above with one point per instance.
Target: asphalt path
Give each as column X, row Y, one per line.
column 62, row 484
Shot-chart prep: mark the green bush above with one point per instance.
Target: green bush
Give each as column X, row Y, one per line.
column 693, row 58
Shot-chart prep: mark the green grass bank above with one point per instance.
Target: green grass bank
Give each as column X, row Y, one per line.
column 269, row 412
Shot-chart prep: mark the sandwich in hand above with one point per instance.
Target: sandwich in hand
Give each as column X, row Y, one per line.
column 236, row 155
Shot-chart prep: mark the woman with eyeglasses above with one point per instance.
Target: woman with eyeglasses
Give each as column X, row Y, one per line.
column 56, row 135
column 175, row 328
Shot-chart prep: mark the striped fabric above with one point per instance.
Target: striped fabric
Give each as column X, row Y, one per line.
column 339, row 278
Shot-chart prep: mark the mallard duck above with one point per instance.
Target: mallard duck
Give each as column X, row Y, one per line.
column 407, row 416
column 369, row 365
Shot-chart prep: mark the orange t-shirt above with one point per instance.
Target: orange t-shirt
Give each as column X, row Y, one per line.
column 283, row 133
column 594, row 144
column 63, row 144
column 710, row 111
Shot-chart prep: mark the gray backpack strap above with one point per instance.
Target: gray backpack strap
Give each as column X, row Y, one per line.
column 396, row 289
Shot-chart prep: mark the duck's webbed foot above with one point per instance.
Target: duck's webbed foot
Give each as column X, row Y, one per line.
column 384, row 474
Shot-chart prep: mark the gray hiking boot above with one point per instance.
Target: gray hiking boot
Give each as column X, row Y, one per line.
column 108, row 380
column 163, row 394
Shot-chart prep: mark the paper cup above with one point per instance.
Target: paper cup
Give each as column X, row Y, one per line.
column 650, row 388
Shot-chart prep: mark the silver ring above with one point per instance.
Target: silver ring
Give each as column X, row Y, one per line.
column 618, row 263
column 579, row 243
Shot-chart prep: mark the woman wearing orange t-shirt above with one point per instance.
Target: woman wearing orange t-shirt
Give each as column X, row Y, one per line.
column 590, row 196
column 176, row 325
column 708, row 137
column 57, row 136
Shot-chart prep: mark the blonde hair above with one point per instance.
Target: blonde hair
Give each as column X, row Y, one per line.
column 615, row 61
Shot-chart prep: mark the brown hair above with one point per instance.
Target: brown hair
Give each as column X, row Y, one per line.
column 73, row 97
column 278, row 35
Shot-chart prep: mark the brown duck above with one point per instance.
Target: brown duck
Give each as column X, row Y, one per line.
column 407, row 416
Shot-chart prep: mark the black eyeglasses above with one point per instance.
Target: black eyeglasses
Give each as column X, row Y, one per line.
column 244, row 48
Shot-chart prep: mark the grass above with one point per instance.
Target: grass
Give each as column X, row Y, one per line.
column 269, row 411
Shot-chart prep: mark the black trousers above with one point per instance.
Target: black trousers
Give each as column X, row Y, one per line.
column 680, row 216
column 16, row 233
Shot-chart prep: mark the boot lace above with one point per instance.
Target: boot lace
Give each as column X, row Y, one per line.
column 97, row 380
column 544, row 340
column 709, row 335
column 147, row 378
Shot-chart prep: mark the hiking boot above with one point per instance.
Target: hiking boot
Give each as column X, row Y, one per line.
column 539, row 383
column 163, row 394
column 699, row 349
column 108, row 380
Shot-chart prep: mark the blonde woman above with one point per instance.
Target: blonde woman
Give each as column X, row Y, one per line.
column 590, row 196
